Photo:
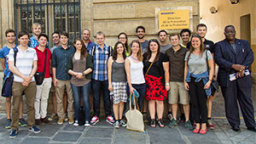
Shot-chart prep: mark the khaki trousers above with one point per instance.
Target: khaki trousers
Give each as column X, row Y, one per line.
column 61, row 86
column 30, row 93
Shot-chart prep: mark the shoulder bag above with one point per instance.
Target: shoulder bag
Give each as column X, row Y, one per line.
column 39, row 76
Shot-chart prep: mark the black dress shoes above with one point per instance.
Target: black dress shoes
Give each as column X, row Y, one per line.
column 252, row 129
column 236, row 129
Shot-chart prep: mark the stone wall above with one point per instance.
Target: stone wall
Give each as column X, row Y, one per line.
column 115, row 16
column 109, row 16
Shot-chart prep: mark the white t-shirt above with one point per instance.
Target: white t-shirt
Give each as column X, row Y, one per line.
column 24, row 62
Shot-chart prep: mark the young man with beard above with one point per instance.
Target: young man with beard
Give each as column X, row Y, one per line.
column 185, row 37
column 163, row 41
column 141, row 31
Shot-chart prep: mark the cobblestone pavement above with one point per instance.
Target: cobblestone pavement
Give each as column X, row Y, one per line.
column 103, row 133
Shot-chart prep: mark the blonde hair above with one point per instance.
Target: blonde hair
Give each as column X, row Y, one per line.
column 139, row 54
column 36, row 25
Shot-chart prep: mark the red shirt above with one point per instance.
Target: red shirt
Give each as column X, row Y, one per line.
column 41, row 60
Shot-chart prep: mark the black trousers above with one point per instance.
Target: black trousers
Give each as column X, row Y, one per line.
column 198, row 100
column 239, row 91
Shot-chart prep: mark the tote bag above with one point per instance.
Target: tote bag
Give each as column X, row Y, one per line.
column 134, row 118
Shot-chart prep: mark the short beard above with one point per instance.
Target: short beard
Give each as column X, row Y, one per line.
column 141, row 37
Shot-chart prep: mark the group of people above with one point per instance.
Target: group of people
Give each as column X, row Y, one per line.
column 180, row 72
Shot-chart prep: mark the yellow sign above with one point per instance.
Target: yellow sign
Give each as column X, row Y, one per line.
column 173, row 19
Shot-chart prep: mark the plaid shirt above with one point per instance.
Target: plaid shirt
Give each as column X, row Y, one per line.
column 100, row 58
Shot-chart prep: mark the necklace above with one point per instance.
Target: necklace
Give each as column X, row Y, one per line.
column 134, row 58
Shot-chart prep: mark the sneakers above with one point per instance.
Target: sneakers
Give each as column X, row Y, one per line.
column 170, row 116
column 53, row 117
column 66, row 119
column 8, row 125
column 76, row 123
column 210, row 124
column 34, row 129
column 70, row 121
column 13, row 133
column 116, row 124
column 87, row 124
column 110, row 120
column 173, row 123
column 45, row 120
column 94, row 120
column 122, row 123
column 22, row 122
column 188, row 125
column 60, row 121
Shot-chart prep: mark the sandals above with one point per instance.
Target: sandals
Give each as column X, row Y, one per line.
column 160, row 123
column 153, row 123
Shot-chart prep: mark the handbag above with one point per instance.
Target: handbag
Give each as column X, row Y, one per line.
column 8, row 80
column 39, row 76
column 214, row 84
column 134, row 118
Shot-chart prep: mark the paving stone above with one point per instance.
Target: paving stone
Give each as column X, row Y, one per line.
column 162, row 135
column 35, row 141
column 95, row 141
column 47, row 130
column 69, row 127
column 123, row 132
column 130, row 140
column 67, row 136
column 99, row 132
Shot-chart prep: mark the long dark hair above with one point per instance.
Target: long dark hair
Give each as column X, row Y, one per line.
column 126, row 43
column 202, row 49
column 149, row 53
column 115, row 51
column 84, row 52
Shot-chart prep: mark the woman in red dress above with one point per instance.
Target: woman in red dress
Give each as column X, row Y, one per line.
column 156, row 69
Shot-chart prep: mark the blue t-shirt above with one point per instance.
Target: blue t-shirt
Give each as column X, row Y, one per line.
column 4, row 55
column 34, row 42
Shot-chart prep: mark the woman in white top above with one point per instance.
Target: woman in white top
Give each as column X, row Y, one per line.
column 134, row 71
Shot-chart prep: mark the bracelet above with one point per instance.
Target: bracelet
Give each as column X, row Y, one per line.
column 167, row 84
column 83, row 74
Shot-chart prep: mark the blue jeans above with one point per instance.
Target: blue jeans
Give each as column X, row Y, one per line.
column 141, row 88
column 98, row 87
column 85, row 91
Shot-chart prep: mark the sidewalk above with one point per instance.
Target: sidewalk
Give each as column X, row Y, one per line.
column 103, row 133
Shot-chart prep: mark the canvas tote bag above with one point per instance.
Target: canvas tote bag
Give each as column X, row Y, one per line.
column 134, row 117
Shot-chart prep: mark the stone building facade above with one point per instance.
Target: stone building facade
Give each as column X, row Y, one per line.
column 109, row 16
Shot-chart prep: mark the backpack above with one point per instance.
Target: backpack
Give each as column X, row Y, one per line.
column 8, row 81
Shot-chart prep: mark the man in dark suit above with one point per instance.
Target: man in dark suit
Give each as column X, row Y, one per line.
column 234, row 57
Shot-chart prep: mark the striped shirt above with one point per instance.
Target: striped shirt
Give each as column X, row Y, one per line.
column 100, row 58
column 24, row 62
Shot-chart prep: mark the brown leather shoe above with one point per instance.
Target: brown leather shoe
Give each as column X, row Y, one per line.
column 37, row 121
column 45, row 120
